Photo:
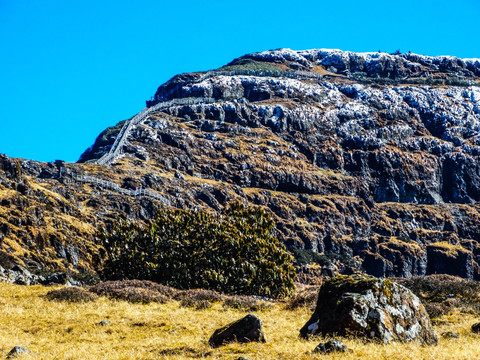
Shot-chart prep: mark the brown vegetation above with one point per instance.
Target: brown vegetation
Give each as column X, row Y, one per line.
column 60, row 330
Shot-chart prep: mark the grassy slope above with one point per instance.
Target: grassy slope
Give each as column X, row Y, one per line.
column 61, row 330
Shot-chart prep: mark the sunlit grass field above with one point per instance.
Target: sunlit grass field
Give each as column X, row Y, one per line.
column 64, row 330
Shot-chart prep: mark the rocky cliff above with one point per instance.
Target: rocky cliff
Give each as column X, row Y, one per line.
column 369, row 162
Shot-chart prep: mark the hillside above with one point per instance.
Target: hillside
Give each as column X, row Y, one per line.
column 369, row 159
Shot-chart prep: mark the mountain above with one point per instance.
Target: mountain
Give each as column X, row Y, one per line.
column 368, row 161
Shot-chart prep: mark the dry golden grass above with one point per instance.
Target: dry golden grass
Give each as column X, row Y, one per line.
column 62, row 330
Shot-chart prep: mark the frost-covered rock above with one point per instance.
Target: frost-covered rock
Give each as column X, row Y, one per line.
column 371, row 308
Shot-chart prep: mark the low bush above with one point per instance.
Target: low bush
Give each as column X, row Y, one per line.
column 442, row 294
column 304, row 298
column 134, row 291
column 71, row 294
column 245, row 303
column 441, row 287
column 198, row 298
column 137, row 295
column 304, row 257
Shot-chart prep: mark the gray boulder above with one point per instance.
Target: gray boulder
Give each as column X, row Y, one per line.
column 17, row 350
column 245, row 330
column 371, row 308
column 330, row 346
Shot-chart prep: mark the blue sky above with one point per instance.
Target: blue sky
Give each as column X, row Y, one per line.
column 69, row 69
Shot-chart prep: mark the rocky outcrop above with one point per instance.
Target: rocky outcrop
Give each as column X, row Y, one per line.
column 368, row 162
column 371, row 308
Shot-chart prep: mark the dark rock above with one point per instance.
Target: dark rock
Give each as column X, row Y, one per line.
column 245, row 330
column 330, row 346
column 452, row 260
column 60, row 278
column 476, row 328
column 17, row 350
column 371, row 308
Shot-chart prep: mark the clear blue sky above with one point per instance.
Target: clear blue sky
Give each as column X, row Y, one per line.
column 71, row 68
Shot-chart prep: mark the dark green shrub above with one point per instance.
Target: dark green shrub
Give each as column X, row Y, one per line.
column 234, row 253
column 252, row 67
column 305, row 257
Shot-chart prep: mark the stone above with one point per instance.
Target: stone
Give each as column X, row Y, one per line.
column 450, row 335
column 245, row 330
column 60, row 278
column 104, row 323
column 367, row 307
column 476, row 328
column 330, row 346
column 17, row 350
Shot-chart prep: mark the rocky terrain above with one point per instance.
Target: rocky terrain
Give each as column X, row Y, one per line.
column 368, row 162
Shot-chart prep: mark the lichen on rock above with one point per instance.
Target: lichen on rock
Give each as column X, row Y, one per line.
column 371, row 308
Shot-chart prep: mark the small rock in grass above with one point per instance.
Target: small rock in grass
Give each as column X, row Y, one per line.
column 244, row 330
column 476, row 328
column 330, row 346
column 449, row 335
column 17, row 350
column 104, row 323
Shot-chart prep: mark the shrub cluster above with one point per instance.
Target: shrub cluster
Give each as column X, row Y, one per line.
column 71, row 294
column 145, row 292
column 234, row 253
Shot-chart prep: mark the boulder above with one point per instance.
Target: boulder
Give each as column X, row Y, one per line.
column 17, row 350
column 245, row 330
column 476, row 328
column 330, row 346
column 371, row 308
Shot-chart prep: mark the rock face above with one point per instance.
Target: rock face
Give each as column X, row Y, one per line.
column 245, row 330
column 371, row 160
column 372, row 308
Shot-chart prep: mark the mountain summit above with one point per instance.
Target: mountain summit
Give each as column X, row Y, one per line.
column 368, row 161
